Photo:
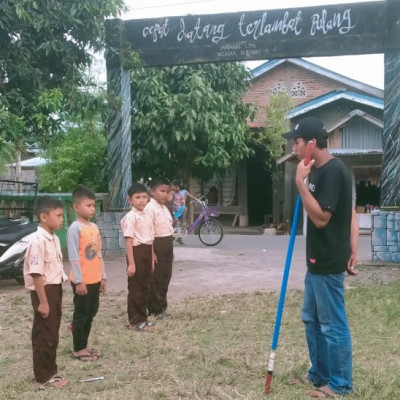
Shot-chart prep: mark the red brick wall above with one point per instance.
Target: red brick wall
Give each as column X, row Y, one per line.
column 286, row 75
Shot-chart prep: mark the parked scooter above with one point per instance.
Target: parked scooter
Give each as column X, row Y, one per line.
column 14, row 238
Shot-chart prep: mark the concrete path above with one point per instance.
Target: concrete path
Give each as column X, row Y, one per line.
column 240, row 263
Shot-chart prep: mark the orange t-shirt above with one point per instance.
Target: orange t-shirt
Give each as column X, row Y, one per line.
column 84, row 252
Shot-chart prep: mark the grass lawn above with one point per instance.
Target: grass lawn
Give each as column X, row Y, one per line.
column 212, row 348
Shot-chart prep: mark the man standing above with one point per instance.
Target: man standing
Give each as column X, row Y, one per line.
column 332, row 241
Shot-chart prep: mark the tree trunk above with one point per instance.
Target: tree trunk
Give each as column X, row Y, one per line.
column 18, row 168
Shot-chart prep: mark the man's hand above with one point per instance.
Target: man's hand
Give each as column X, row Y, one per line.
column 44, row 310
column 81, row 289
column 352, row 264
column 130, row 271
column 303, row 171
column 103, row 286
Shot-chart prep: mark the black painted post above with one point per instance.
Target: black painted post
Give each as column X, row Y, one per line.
column 119, row 119
column 390, row 185
column 386, row 222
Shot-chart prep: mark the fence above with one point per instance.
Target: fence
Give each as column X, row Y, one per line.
column 17, row 199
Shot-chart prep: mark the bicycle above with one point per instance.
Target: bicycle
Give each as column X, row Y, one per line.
column 210, row 231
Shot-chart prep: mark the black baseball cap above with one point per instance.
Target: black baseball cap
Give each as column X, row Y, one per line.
column 308, row 128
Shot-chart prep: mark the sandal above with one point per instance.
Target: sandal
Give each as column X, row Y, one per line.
column 322, row 393
column 163, row 315
column 95, row 353
column 55, row 381
column 141, row 327
column 300, row 380
column 84, row 357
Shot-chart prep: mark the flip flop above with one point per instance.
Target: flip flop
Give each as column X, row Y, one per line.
column 84, row 357
column 95, row 353
column 322, row 393
column 141, row 327
column 55, row 381
column 300, row 380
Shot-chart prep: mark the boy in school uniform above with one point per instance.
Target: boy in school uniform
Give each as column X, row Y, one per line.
column 163, row 248
column 43, row 275
column 138, row 231
column 87, row 275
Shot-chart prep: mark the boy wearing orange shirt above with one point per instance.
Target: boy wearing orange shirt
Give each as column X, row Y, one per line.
column 87, row 274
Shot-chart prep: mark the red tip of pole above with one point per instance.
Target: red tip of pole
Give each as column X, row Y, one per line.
column 268, row 381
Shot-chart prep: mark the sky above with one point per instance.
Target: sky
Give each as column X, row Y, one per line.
column 364, row 68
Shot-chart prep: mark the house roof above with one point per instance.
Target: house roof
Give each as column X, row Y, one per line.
column 318, row 102
column 290, row 157
column 300, row 62
column 352, row 152
column 31, row 162
column 356, row 113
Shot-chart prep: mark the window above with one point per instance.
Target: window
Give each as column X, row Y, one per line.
column 298, row 90
column 278, row 88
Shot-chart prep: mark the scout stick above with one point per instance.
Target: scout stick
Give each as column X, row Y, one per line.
column 310, row 147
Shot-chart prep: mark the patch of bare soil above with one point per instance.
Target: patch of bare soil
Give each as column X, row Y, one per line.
column 375, row 273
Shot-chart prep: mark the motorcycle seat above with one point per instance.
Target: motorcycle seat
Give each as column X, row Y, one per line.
column 6, row 223
column 16, row 232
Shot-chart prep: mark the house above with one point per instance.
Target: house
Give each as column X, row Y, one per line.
column 25, row 171
column 353, row 114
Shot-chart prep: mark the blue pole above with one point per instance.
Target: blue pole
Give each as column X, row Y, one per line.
column 286, row 271
column 282, row 295
column 271, row 361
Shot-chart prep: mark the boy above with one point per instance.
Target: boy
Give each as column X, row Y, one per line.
column 138, row 232
column 43, row 275
column 163, row 248
column 179, row 199
column 87, row 274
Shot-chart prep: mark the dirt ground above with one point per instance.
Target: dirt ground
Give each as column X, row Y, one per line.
column 376, row 273
column 215, row 271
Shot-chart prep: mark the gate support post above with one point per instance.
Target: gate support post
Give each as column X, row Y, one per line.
column 119, row 119
column 386, row 222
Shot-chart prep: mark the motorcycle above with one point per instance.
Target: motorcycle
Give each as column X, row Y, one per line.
column 14, row 238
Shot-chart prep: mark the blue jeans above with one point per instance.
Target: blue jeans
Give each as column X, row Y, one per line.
column 327, row 332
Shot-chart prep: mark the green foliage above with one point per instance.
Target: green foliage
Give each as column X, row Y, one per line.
column 44, row 50
column 189, row 118
column 78, row 157
column 270, row 139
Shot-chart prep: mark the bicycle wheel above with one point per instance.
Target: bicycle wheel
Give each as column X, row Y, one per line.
column 211, row 233
column 179, row 232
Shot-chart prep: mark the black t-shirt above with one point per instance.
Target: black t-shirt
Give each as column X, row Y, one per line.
column 328, row 248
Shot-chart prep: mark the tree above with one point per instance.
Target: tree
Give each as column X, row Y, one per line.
column 79, row 155
column 44, row 49
column 190, row 119
column 270, row 141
